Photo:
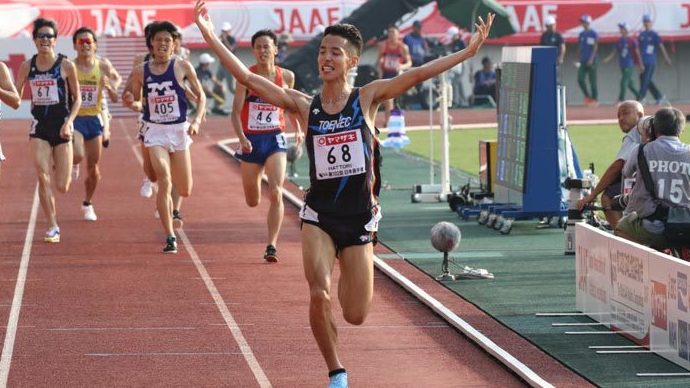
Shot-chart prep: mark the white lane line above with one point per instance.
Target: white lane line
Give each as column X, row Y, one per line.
column 11, row 333
column 225, row 324
column 225, row 312
column 161, row 354
column 627, row 351
column 662, row 374
column 24, row 305
column 376, row 327
column 253, row 363
column 119, row 328
column 25, row 280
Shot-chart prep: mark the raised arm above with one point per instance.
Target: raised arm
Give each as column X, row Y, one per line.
column 386, row 89
column 268, row 91
column 8, row 93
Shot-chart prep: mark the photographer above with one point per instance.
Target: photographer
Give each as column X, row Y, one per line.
column 669, row 166
column 629, row 113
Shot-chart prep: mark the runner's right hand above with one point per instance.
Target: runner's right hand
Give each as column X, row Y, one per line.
column 128, row 99
column 128, row 102
column 246, row 146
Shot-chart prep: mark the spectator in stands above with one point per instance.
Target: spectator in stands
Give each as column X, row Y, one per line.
column 455, row 44
column 610, row 185
column 416, row 44
column 455, row 39
column 551, row 37
column 284, row 41
column 212, row 87
column 587, row 66
column 485, row 84
column 650, row 41
column 393, row 59
column 643, row 222
column 230, row 42
column 628, row 55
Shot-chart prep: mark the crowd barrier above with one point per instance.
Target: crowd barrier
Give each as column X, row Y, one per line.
column 634, row 290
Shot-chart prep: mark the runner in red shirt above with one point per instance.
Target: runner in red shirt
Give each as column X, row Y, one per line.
column 260, row 126
column 393, row 58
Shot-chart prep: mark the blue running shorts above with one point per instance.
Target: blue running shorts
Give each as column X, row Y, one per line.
column 263, row 146
column 89, row 126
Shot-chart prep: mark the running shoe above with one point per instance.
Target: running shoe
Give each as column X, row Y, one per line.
column 170, row 245
column 338, row 380
column 146, row 190
column 177, row 219
column 75, row 172
column 52, row 235
column 89, row 213
column 271, row 254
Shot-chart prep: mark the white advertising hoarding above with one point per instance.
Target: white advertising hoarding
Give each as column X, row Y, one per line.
column 636, row 290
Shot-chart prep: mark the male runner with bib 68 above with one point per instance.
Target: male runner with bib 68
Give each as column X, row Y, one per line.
column 341, row 211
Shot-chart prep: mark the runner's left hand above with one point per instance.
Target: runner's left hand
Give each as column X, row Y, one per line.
column 105, row 139
column 482, row 29
column 203, row 21
column 193, row 129
column 105, row 81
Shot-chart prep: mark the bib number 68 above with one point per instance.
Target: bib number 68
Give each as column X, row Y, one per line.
column 345, row 154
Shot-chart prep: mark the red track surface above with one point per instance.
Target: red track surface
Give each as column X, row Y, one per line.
column 106, row 308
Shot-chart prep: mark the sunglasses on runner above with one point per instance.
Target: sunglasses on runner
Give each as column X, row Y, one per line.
column 45, row 35
column 85, row 41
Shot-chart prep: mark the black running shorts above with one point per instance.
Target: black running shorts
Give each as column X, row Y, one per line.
column 347, row 230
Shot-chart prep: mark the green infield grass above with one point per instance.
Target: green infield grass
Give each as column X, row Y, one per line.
column 596, row 144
